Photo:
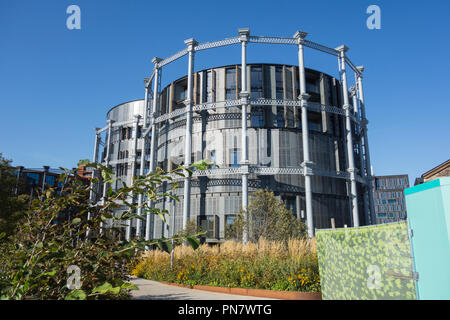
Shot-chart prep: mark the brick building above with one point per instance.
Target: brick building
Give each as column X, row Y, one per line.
column 442, row 170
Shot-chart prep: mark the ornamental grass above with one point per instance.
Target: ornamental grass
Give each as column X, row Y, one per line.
column 290, row 266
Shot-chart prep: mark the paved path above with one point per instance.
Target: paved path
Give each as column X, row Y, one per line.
column 152, row 290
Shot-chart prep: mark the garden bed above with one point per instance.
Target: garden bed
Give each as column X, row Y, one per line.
column 275, row 294
column 285, row 270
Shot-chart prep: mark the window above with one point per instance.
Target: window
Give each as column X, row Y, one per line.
column 280, row 117
column 257, row 118
column 299, row 122
column 234, row 158
column 50, row 180
column 180, row 92
column 121, row 169
column 230, row 84
column 288, row 83
column 314, row 126
column 256, row 82
column 32, row 178
column 210, row 225
column 126, row 133
column 290, row 203
column 209, row 84
column 290, row 117
column 279, row 82
column 212, row 155
column 229, row 219
column 122, row 155
column 312, row 87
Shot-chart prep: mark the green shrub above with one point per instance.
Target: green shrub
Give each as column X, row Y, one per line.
column 35, row 258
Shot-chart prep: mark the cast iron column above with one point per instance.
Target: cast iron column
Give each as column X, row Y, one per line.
column 153, row 138
column 46, row 168
column 191, row 43
column 108, row 145
column 354, row 94
column 94, row 160
column 364, row 123
column 307, row 163
column 133, row 169
column 142, row 160
column 145, row 104
column 351, row 162
column 244, row 95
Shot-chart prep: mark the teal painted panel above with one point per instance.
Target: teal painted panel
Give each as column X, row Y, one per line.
column 422, row 187
column 429, row 217
column 429, row 185
column 446, row 203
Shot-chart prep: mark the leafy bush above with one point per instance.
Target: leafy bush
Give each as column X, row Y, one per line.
column 36, row 257
column 12, row 207
column 267, row 217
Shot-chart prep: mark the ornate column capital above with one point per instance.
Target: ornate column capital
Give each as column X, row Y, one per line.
column 244, row 33
column 188, row 105
column 190, row 43
column 308, row 167
column 245, row 168
column 146, row 83
column 342, row 50
column 244, row 95
column 364, row 123
column 156, row 61
column 353, row 172
column 304, row 97
column 360, row 69
column 346, row 107
column 300, row 36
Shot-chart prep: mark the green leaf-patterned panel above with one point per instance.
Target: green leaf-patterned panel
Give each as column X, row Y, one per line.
column 372, row 262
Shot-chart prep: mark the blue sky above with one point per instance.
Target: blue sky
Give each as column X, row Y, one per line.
column 56, row 84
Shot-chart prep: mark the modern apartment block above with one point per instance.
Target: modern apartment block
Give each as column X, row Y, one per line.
column 35, row 180
column 296, row 131
column 389, row 198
